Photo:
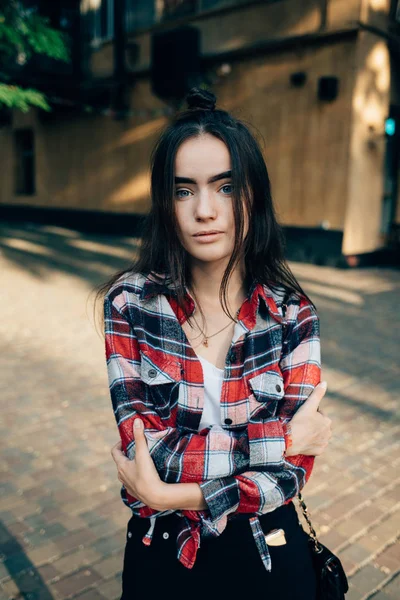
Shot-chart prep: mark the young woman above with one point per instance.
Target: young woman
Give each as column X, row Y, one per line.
column 213, row 358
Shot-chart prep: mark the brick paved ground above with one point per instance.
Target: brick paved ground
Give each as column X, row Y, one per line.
column 62, row 524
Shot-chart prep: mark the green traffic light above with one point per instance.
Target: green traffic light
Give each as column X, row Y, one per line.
column 390, row 126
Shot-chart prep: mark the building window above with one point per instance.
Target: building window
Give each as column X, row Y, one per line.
column 173, row 9
column 24, row 161
column 142, row 14
column 394, row 11
column 98, row 16
column 208, row 4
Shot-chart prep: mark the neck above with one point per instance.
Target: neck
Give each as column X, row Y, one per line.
column 206, row 282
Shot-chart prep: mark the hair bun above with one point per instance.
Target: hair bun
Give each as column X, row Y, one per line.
column 198, row 98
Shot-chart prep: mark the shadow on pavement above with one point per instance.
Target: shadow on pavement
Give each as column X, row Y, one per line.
column 21, row 570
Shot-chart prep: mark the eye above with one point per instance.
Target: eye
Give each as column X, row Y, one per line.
column 227, row 185
column 178, row 192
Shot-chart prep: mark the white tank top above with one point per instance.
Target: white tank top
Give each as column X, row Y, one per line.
column 213, row 378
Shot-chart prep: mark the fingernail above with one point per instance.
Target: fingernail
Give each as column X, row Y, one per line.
column 324, row 384
column 137, row 423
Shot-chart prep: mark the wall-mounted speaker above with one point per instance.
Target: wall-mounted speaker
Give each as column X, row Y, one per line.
column 175, row 61
column 328, row 88
column 298, row 79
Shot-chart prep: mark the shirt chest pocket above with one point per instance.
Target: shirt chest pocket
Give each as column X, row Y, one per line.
column 266, row 390
column 162, row 378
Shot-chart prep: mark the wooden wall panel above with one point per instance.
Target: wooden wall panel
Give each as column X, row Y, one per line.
column 306, row 140
column 370, row 108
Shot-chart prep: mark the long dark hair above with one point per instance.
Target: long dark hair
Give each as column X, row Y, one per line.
column 263, row 247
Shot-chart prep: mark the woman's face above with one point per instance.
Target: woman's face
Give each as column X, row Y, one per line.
column 203, row 199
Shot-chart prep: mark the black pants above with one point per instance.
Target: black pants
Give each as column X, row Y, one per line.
column 228, row 566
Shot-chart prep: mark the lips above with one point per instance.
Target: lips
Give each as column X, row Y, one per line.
column 200, row 233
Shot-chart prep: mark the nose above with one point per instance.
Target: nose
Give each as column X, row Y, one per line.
column 205, row 207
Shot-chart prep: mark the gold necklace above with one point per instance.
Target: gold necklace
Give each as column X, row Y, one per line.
column 207, row 337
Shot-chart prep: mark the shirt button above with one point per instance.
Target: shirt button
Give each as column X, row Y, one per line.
column 129, row 534
column 278, row 388
column 152, row 373
column 165, row 535
column 228, row 421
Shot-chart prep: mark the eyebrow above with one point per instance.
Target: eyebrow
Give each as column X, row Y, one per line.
column 212, row 179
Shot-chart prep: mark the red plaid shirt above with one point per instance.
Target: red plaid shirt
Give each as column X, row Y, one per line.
column 154, row 373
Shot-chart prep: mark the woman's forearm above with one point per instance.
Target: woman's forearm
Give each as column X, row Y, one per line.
column 183, row 496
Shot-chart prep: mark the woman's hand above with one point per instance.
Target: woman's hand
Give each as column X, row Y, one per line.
column 140, row 476
column 311, row 430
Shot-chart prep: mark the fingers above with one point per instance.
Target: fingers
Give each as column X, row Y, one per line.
column 312, row 402
column 137, row 425
column 121, row 461
column 115, row 449
column 140, row 438
column 127, row 486
column 117, row 454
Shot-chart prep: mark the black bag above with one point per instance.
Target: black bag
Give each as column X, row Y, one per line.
column 331, row 579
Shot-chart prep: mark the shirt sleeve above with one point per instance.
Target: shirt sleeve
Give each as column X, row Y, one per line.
column 262, row 490
column 180, row 456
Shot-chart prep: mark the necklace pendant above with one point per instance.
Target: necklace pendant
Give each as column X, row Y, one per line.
column 205, row 342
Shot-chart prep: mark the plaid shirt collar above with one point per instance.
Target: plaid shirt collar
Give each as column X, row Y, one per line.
column 160, row 284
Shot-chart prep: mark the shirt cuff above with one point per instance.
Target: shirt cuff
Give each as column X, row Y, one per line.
column 267, row 443
column 221, row 495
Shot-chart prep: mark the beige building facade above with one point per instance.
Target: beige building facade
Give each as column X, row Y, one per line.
column 318, row 80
